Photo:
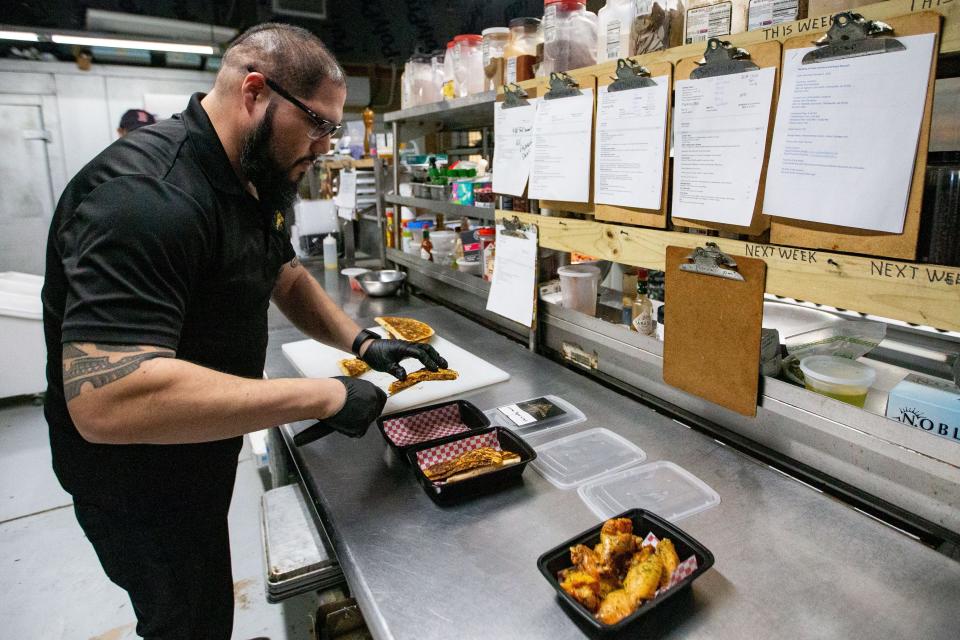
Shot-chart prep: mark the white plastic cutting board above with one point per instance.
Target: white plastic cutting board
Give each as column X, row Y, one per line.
column 315, row 360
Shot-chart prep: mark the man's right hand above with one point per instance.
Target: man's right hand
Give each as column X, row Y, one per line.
column 363, row 405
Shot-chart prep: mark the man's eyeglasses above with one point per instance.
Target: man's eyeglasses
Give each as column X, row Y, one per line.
column 321, row 126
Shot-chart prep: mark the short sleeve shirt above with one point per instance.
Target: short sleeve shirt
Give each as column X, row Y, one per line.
column 156, row 242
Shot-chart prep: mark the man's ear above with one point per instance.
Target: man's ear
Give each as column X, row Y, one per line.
column 252, row 90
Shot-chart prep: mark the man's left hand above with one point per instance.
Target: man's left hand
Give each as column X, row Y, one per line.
column 386, row 355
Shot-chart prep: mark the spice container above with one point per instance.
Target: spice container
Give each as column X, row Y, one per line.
column 766, row 13
column 494, row 46
column 449, row 87
column 487, row 237
column 569, row 36
column 426, row 246
column 613, row 33
column 521, row 51
column 710, row 19
column 468, row 64
column 657, row 26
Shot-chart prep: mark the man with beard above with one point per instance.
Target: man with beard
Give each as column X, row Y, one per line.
column 162, row 258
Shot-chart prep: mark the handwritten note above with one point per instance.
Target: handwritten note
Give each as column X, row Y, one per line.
column 631, row 129
column 513, row 290
column 513, row 144
column 845, row 141
column 562, row 132
column 720, row 139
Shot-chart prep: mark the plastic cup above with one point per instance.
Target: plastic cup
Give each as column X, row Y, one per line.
column 578, row 287
column 839, row 378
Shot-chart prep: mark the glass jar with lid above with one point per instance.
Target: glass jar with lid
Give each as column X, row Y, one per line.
column 468, row 64
column 521, row 51
column 569, row 36
column 495, row 41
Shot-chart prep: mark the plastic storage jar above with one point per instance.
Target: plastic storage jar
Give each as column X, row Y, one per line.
column 444, row 244
column 449, row 86
column 613, row 33
column 468, row 64
column 707, row 19
column 839, row 378
column 569, row 36
column 578, row 287
column 521, row 51
column 494, row 46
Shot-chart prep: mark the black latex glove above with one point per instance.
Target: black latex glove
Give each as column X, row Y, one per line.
column 363, row 405
column 385, row 355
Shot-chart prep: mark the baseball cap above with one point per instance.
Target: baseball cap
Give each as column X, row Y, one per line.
column 136, row 118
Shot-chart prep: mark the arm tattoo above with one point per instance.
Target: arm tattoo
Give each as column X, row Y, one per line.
column 83, row 363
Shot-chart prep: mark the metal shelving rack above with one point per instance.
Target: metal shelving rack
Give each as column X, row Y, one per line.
column 895, row 472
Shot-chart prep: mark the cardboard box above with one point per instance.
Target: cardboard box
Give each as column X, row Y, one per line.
column 928, row 404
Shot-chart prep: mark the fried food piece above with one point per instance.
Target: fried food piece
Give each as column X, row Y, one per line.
column 406, row 328
column 354, row 367
column 615, row 607
column 581, row 586
column 643, row 578
column 470, row 461
column 423, row 375
column 669, row 559
column 617, row 545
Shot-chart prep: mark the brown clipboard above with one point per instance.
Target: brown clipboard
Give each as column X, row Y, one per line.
column 586, row 80
column 816, row 235
column 633, row 215
column 766, row 54
column 712, row 324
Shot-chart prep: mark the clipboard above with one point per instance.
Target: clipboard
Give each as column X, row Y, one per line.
column 632, row 215
column 720, row 58
column 581, row 80
column 713, row 317
column 816, row 235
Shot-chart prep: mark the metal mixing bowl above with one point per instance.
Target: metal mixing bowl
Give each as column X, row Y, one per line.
column 381, row 283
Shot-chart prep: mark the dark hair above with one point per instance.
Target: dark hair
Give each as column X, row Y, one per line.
column 290, row 56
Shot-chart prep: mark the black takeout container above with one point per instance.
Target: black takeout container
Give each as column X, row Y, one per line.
column 470, row 415
column 483, row 483
column 644, row 522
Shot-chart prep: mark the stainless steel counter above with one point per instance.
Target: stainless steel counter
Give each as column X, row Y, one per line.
column 790, row 561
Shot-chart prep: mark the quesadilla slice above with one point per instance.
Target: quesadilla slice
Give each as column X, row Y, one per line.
column 423, row 375
column 354, row 367
column 406, row 328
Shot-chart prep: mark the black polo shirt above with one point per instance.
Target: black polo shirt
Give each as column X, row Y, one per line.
column 156, row 242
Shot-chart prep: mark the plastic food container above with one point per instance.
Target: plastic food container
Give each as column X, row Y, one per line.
column 423, row 456
column 352, row 274
column 535, row 415
column 426, row 425
column 449, row 86
column 613, row 34
column 468, row 64
column 663, row 487
column 581, row 457
column 521, row 51
column 839, row 378
column 569, row 36
column 495, row 41
column 472, row 266
column 644, row 522
column 578, row 287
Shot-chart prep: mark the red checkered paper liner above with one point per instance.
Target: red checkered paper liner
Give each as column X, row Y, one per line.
column 429, row 425
column 441, row 453
column 683, row 569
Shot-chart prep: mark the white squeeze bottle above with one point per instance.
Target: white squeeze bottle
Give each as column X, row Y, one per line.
column 330, row 252
column 613, row 34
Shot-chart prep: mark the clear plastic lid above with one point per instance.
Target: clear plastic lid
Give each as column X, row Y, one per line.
column 666, row 489
column 583, row 456
column 838, row 371
column 536, row 415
